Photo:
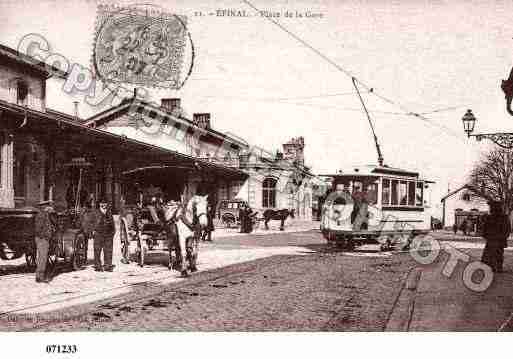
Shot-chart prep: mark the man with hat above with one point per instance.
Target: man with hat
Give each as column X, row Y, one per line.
column 496, row 230
column 103, row 238
column 44, row 232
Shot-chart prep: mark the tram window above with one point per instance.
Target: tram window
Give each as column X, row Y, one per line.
column 419, row 195
column 372, row 193
column 403, row 193
column 411, row 193
column 340, row 187
column 395, row 193
column 357, row 186
column 385, row 197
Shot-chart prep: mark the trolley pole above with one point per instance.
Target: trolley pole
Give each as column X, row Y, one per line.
column 378, row 149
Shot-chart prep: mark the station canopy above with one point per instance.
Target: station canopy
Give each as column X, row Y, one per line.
column 60, row 130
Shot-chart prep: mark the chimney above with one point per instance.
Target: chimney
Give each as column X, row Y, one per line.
column 169, row 104
column 202, row 120
column 75, row 109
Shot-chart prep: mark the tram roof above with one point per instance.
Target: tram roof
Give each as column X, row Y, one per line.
column 373, row 171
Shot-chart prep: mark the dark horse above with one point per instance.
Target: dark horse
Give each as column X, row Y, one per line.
column 280, row 215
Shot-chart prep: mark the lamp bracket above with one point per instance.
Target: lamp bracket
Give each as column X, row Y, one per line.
column 504, row 140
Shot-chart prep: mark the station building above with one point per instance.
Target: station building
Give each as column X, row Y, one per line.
column 273, row 180
column 134, row 146
column 45, row 154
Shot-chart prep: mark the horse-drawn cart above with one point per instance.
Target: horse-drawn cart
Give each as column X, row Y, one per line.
column 177, row 232
column 139, row 225
column 70, row 240
column 17, row 238
column 17, row 234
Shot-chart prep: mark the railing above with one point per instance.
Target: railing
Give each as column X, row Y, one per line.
column 31, row 101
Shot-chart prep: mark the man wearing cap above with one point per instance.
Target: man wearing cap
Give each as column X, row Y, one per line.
column 103, row 238
column 44, row 230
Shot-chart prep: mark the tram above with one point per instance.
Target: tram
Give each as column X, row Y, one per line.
column 376, row 204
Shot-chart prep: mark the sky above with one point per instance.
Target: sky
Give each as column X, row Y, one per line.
column 258, row 81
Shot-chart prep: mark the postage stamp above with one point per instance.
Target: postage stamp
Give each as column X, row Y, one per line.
column 140, row 46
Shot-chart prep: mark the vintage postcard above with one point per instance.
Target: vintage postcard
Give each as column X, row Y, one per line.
column 254, row 166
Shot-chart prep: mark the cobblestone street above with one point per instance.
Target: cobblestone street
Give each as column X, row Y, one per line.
column 23, row 295
column 289, row 281
column 257, row 282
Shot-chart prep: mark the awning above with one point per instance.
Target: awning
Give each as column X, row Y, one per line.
column 63, row 130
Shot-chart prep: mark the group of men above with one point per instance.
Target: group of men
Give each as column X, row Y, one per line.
column 98, row 223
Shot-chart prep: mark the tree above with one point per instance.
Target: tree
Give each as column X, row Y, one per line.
column 492, row 178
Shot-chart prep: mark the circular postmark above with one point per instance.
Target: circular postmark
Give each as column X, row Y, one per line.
column 142, row 45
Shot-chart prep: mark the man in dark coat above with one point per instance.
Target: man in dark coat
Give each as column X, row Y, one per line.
column 249, row 219
column 243, row 217
column 463, row 227
column 44, row 230
column 211, row 213
column 496, row 230
column 103, row 238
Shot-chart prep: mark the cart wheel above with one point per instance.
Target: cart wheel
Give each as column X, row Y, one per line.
column 79, row 259
column 228, row 220
column 123, row 236
column 30, row 257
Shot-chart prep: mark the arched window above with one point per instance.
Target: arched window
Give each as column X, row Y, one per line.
column 269, row 193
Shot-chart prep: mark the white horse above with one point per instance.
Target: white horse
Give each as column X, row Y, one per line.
column 184, row 225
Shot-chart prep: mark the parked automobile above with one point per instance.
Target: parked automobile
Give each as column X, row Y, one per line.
column 228, row 211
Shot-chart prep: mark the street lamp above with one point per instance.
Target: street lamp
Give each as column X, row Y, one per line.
column 501, row 139
column 469, row 121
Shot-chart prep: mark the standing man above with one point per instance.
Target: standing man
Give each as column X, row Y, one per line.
column 211, row 213
column 242, row 217
column 249, row 219
column 44, row 230
column 496, row 230
column 463, row 227
column 103, row 238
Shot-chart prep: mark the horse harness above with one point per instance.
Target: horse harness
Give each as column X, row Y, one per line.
column 192, row 226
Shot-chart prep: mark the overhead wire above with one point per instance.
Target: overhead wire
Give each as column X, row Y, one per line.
column 282, row 102
column 348, row 73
